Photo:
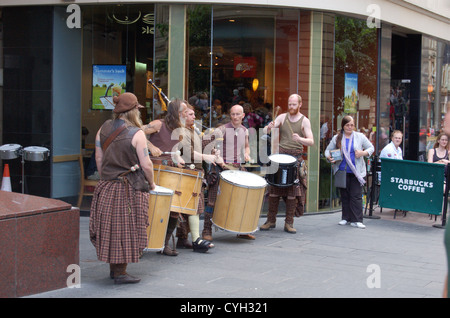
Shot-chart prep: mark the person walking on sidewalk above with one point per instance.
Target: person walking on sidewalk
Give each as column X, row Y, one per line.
column 295, row 133
column 354, row 147
column 118, row 219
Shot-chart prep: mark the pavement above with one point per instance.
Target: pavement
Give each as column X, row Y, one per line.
column 392, row 258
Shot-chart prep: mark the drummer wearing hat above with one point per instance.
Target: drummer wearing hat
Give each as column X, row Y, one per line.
column 295, row 133
column 118, row 219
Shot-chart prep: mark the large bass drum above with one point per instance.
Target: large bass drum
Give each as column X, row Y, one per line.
column 240, row 197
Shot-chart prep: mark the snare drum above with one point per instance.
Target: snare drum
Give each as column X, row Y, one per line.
column 286, row 174
column 35, row 153
column 186, row 184
column 10, row 151
column 159, row 203
column 239, row 201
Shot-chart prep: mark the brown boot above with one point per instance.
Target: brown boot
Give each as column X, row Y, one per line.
column 271, row 214
column 122, row 277
column 167, row 249
column 170, row 228
column 207, row 227
column 289, row 228
column 291, row 205
column 182, row 235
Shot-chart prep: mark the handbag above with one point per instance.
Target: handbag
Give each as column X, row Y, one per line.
column 303, row 171
column 340, row 179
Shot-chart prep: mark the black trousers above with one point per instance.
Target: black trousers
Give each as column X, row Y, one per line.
column 351, row 197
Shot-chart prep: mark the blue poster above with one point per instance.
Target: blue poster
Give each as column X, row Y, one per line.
column 351, row 93
column 107, row 81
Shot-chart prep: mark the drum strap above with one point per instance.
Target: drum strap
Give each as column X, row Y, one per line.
column 113, row 135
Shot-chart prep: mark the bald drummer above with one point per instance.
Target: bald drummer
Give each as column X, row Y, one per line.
column 235, row 151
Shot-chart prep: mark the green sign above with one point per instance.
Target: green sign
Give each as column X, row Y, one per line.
column 412, row 186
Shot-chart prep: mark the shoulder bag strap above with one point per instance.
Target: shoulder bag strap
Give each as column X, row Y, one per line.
column 113, row 135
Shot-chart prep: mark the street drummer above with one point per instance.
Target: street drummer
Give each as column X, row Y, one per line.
column 163, row 150
column 235, row 151
column 192, row 154
column 295, row 133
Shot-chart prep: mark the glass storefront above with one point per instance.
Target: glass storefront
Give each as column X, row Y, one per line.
column 257, row 57
column 251, row 56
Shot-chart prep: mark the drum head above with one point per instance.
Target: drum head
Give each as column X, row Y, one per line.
column 282, row 158
column 35, row 149
column 243, row 178
column 10, row 147
column 161, row 191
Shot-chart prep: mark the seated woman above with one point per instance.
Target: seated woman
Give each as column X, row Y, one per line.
column 439, row 152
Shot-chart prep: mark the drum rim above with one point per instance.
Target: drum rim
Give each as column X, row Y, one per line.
column 231, row 231
column 182, row 171
column 162, row 193
column 243, row 186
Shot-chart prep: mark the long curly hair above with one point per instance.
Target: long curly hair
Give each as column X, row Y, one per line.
column 172, row 118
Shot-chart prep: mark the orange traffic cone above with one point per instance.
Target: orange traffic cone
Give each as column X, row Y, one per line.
column 6, row 182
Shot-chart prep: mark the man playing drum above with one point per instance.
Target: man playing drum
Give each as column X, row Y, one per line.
column 235, row 150
column 160, row 141
column 191, row 148
column 295, row 132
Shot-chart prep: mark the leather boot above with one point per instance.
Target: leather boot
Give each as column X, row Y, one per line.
column 207, row 227
column 182, row 235
column 271, row 214
column 291, row 205
column 170, row 228
column 122, row 277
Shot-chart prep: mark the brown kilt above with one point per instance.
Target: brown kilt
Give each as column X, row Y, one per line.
column 118, row 233
column 297, row 190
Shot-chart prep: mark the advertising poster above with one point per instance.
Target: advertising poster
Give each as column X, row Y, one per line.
column 244, row 66
column 351, row 93
column 107, row 81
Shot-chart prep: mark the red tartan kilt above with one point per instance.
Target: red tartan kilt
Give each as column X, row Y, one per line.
column 118, row 233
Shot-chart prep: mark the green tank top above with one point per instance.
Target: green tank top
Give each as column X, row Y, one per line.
column 286, row 141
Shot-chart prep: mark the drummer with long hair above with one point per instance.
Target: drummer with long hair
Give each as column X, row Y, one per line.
column 295, row 133
column 118, row 218
column 160, row 144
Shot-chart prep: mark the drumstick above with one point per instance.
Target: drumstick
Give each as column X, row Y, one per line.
column 172, row 152
column 275, row 112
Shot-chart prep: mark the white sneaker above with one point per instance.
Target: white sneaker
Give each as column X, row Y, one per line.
column 359, row 225
column 342, row 222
